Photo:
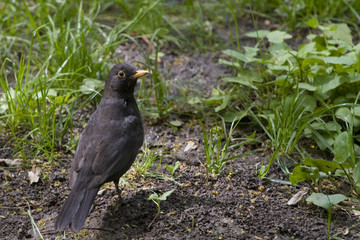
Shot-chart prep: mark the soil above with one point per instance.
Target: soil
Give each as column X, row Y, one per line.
column 236, row 204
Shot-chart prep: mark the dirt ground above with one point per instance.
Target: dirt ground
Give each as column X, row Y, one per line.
column 234, row 205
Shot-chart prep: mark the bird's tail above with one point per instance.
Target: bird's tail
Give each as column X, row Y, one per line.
column 76, row 208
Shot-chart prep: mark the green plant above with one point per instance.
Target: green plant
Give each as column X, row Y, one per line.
column 294, row 13
column 327, row 202
column 216, row 153
column 63, row 48
column 311, row 92
column 286, row 123
column 217, row 146
column 345, row 165
column 153, row 19
column 302, row 96
column 34, row 107
column 157, row 199
column 145, row 162
column 172, row 169
column 301, row 81
column 158, row 88
column 35, row 228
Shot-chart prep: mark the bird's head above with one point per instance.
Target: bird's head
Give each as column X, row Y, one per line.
column 122, row 79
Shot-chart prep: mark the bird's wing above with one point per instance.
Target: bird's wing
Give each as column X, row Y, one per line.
column 84, row 156
column 116, row 153
column 106, row 151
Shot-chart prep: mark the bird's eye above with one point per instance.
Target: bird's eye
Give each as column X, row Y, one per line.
column 121, row 74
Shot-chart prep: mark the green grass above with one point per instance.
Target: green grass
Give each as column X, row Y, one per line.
column 143, row 166
column 220, row 147
column 311, row 92
column 55, row 55
column 55, row 52
column 294, row 14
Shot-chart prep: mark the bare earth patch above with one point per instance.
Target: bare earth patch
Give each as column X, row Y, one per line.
column 235, row 205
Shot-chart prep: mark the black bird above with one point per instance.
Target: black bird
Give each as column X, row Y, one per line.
column 107, row 146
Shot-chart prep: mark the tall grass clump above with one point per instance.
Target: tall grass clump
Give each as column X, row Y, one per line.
column 305, row 98
column 57, row 54
column 294, row 14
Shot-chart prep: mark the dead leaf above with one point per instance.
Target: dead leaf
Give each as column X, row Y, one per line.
column 356, row 212
column 34, row 174
column 7, row 175
column 11, row 162
column 297, row 197
column 190, row 145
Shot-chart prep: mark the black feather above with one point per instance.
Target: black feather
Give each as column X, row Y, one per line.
column 107, row 147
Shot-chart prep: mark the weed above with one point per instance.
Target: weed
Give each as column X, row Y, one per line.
column 302, row 96
column 215, row 151
column 301, row 82
column 172, row 169
column 327, row 202
column 294, row 13
column 35, row 228
column 57, row 67
column 35, row 107
column 217, row 146
column 157, row 199
column 145, row 162
column 158, row 88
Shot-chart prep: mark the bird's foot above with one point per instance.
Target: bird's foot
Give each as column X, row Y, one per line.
column 119, row 199
column 117, row 204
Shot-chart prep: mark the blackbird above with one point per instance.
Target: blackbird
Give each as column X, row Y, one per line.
column 107, row 146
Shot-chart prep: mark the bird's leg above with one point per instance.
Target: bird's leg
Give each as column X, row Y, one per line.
column 117, row 188
column 119, row 200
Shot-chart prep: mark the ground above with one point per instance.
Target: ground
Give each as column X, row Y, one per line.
column 236, row 204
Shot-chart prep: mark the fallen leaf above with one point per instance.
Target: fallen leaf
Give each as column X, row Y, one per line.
column 7, row 175
column 356, row 212
column 176, row 123
column 11, row 162
column 297, row 197
column 190, row 145
column 34, row 174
